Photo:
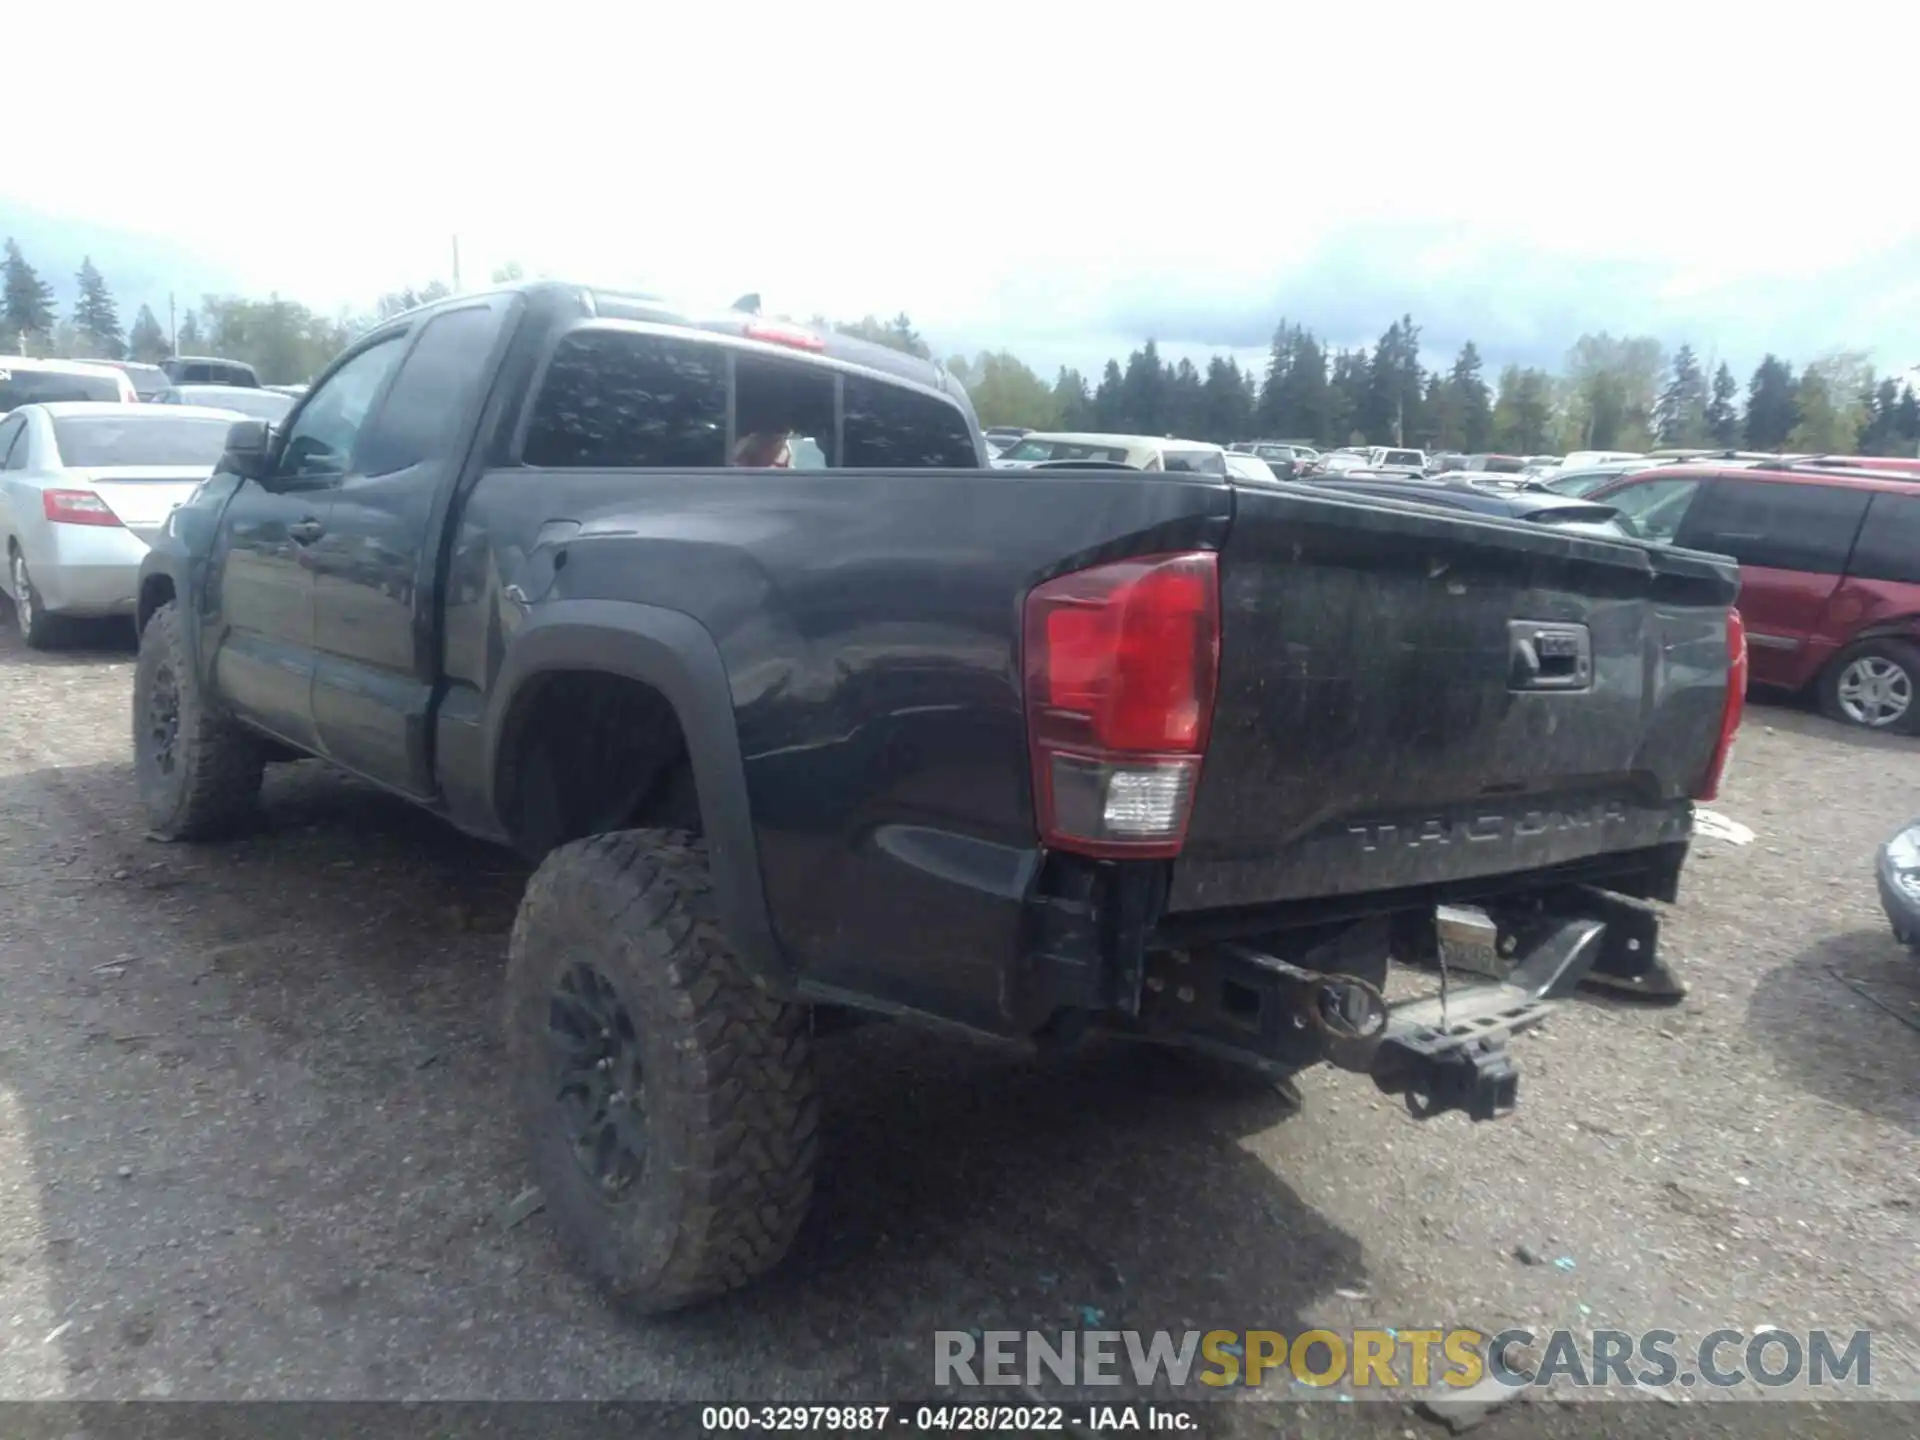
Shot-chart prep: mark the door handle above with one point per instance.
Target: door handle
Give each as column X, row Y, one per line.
column 306, row 531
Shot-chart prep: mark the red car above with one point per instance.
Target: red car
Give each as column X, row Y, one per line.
column 1829, row 573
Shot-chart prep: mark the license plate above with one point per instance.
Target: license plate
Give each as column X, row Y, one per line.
column 1468, row 939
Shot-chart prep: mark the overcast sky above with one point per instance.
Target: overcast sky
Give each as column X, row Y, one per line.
column 1051, row 178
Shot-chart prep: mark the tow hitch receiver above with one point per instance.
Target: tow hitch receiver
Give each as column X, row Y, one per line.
column 1442, row 1052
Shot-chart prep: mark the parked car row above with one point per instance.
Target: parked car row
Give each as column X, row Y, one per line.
column 29, row 380
column 94, row 455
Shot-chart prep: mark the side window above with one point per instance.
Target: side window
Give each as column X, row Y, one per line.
column 614, row 401
column 1653, row 510
column 1776, row 524
column 894, row 428
column 13, row 447
column 196, row 375
column 320, row 441
column 430, row 395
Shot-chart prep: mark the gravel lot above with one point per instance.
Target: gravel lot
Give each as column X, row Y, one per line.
column 252, row 1142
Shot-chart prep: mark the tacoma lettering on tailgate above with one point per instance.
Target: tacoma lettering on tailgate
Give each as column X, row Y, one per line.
column 1486, row 827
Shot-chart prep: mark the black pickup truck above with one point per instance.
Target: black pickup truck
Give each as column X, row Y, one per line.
column 806, row 712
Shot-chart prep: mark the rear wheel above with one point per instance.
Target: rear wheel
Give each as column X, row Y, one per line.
column 39, row 629
column 667, row 1099
column 1875, row 685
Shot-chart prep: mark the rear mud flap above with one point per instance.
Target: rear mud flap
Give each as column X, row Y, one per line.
column 1442, row 1052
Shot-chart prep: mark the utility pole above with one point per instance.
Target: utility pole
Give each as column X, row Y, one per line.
column 456, row 264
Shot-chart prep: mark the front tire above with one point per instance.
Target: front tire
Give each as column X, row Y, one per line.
column 1875, row 685
column 199, row 773
column 667, row 1100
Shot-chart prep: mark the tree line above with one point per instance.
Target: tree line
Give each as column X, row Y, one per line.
column 1613, row 392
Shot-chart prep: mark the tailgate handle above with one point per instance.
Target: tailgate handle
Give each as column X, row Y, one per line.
column 1549, row 655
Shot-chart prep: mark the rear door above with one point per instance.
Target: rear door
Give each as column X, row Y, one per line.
column 1792, row 539
column 375, row 630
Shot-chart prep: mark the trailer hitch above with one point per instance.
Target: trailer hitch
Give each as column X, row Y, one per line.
column 1442, row 1052
column 1478, row 1077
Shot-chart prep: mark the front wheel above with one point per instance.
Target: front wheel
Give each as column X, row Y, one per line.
column 1874, row 685
column 199, row 773
column 667, row 1099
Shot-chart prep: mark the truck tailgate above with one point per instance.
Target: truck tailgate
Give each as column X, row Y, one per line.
column 1409, row 696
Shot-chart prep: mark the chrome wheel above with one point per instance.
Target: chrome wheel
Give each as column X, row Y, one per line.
column 1875, row 691
column 22, row 594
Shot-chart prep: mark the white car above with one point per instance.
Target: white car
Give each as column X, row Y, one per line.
column 84, row 488
column 1142, row 452
column 1397, row 461
column 25, row 381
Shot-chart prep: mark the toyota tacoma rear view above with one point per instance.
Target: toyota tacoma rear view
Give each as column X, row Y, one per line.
column 805, row 711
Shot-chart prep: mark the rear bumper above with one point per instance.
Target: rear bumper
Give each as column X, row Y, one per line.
column 87, row 570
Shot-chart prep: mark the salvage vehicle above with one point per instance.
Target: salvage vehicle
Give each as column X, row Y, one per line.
column 1040, row 754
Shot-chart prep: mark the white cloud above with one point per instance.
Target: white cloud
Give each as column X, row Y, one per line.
column 1038, row 173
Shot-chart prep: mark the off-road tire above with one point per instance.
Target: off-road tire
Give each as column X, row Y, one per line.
column 1899, row 652
column 728, row 1109
column 40, row 630
column 213, row 786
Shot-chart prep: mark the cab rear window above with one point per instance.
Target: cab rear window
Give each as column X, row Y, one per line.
column 1194, row 462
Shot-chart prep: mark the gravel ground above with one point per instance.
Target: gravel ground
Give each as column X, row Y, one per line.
column 252, row 1143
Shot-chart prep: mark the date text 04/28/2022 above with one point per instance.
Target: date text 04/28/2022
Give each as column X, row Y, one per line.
column 966, row 1419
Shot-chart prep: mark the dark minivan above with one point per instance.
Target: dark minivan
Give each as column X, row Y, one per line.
column 1829, row 574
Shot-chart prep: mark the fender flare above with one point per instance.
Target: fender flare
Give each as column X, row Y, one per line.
column 674, row 654
column 167, row 559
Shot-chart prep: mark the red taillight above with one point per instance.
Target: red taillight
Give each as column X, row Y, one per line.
column 772, row 332
column 1121, row 662
column 76, row 507
column 1731, row 709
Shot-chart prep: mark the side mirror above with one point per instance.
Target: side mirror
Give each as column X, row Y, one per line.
column 249, row 452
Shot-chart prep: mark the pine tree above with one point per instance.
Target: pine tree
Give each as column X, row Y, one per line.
column 27, row 306
column 1471, row 400
column 1109, row 400
column 1226, row 416
column 1523, row 415
column 146, row 341
column 190, row 341
column 1071, row 402
column 1771, row 411
column 1270, row 415
column 1680, row 414
column 1144, row 392
column 96, row 317
column 1347, row 389
column 1392, row 407
column 1722, row 416
column 1906, row 422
